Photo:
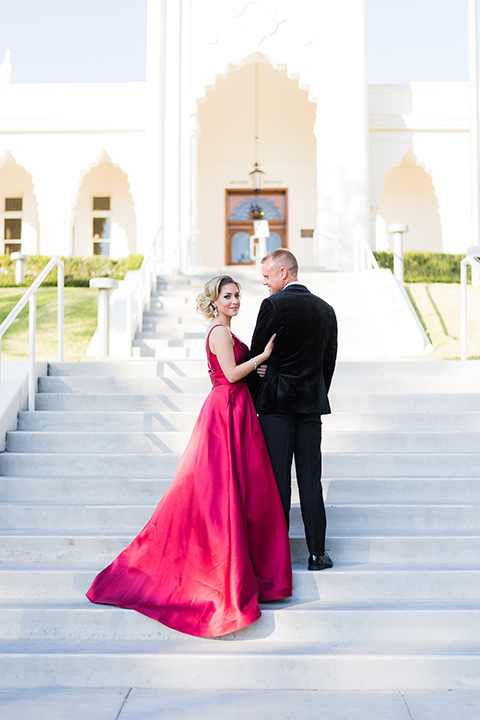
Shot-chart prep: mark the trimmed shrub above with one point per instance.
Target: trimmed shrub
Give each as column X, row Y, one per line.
column 425, row 267
column 78, row 270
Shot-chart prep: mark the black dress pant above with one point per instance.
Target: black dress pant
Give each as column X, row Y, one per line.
column 299, row 436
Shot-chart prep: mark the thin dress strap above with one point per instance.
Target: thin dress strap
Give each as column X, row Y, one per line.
column 208, row 345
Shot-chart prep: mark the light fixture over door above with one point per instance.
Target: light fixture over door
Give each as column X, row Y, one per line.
column 256, row 175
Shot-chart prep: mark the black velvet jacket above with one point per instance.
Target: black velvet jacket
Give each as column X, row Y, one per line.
column 300, row 368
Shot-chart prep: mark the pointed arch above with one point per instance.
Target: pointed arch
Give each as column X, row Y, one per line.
column 409, row 196
column 104, row 178
column 228, row 146
column 17, row 182
column 252, row 59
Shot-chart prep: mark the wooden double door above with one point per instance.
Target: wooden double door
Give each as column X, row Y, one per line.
column 243, row 207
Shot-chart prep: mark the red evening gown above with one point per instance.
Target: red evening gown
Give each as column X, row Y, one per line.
column 217, row 543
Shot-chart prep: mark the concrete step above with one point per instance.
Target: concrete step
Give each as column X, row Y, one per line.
column 219, row 664
column 142, row 465
column 372, row 368
column 383, row 586
column 158, row 349
column 408, row 368
column 94, row 550
column 133, row 490
column 126, row 385
column 175, row 323
column 387, row 518
column 307, row 622
column 345, row 385
column 139, row 421
column 173, row 329
column 106, row 421
column 192, row 402
column 175, row 442
column 128, row 368
column 112, row 402
column 171, row 335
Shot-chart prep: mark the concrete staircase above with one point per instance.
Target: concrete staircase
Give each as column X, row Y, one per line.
column 80, row 477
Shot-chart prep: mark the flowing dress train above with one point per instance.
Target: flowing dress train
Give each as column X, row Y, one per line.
column 217, row 543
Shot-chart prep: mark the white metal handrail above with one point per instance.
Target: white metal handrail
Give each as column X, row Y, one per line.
column 142, row 289
column 364, row 257
column 472, row 260
column 30, row 296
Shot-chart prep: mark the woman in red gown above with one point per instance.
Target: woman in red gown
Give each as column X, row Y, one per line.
column 217, row 543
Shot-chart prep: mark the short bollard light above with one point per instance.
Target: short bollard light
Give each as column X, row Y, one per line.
column 19, row 266
column 104, row 287
column 397, row 230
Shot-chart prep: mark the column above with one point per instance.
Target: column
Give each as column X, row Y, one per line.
column 474, row 122
column 154, row 207
column 195, row 239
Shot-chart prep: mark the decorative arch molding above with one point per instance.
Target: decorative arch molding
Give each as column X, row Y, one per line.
column 102, row 159
column 8, row 161
column 410, row 182
column 124, row 216
column 410, row 157
column 261, row 58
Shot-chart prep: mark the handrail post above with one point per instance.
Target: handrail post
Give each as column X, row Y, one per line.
column 129, row 324
column 61, row 314
column 19, row 259
column 32, row 319
column 140, row 305
column 30, row 297
column 104, row 287
column 463, row 309
column 398, row 261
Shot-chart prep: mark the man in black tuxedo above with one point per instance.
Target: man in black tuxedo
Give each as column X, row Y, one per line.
column 292, row 396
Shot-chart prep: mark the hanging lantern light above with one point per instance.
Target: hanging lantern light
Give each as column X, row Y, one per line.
column 256, row 178
column 257, row 174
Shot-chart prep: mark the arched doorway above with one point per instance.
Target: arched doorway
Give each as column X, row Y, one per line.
column 408, row 196
column 226, row 154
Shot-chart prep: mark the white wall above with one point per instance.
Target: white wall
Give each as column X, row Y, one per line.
column 430, row 122
column 58, row 133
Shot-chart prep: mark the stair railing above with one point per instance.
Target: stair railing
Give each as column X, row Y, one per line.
column 142, row 291
column 30, row 296
column 472, row 259
column 364, row 257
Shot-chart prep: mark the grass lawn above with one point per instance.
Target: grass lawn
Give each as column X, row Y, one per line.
column 438, row 306
column 80, row 323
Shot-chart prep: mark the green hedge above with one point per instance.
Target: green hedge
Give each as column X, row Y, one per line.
column 425, row 267
column 78, row 270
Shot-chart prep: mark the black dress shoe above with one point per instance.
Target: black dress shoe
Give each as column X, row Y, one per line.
column 320, row 562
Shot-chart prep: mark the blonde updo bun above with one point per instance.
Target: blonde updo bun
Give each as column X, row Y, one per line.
column 210, row 293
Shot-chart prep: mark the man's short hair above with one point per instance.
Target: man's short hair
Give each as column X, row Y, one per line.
column 283, row 257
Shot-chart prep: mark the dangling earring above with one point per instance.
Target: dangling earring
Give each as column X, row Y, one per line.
column 215, row 312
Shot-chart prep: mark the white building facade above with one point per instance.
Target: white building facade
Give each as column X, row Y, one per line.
column 112, row 168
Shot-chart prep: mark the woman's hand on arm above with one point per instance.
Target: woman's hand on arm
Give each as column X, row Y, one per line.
column 262, row 370
column 221, row 344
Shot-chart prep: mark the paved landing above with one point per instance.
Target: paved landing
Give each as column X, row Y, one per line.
column 138, row 704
